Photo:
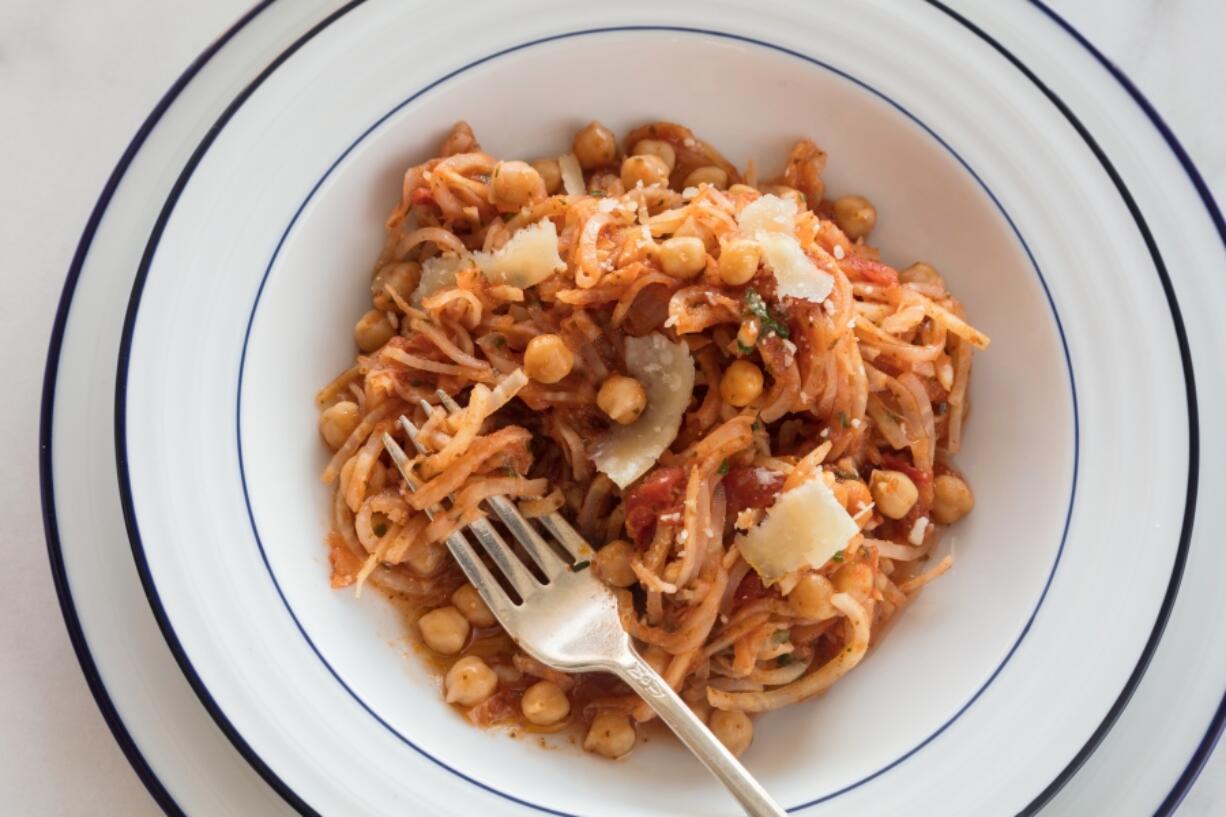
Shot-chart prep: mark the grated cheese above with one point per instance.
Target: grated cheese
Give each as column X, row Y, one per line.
column 572, row 175
column 918, row 530
column 805, row 527
column 528, row 258
column 437, row 273
column 795, row 273
column 770, row 214
column 666, row 371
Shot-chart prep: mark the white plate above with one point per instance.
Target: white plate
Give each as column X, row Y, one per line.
column 359, row 626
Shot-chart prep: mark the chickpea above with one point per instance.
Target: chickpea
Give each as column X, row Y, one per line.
column 338, row 421
column 470, row 681
column 741, row 383
column 402, row 276
column 738, row 261
column 894, row 492
column 514, row 185
column 544, row 703
column 810, row 598
column 426, row 560
column 612, row 564
column 646, row 169
column 855, row 216
column 921, row 273
column 657, row 147
column 594, row 146
column 551, row 174
column 372, row 331
column 444, row 630
column 952, row 499
column 610, row 735
column 683, row 256
column 470, row 604
column 734, row 729
column 717, row 177
column 855, row 578
column 547, row 359
column 622, row 398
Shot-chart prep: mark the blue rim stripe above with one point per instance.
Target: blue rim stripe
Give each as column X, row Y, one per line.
column 46, row 473
column 722, row 35
column 46, row 478
column 1185, row 535
column 121, row 464
column 1218, row 723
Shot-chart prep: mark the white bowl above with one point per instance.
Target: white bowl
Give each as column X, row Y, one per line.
column 254, row 283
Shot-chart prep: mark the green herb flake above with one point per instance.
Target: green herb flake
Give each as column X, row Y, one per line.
column 841, row 474
column 597, row 194
column 509, row 471
column 757, row 425
column 584, row 565
column 781, row 636
column 755, row 305
column 838, row 557
column 742, row 348
column 844, row 420
column 724, row 467
column 785, row 659
column 499, row 341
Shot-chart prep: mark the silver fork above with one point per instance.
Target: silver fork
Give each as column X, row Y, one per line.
column 570, row 621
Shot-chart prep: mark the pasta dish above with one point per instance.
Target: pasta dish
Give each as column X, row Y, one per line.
column 713, row 375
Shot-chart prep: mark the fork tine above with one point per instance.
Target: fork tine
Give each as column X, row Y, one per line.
column 411, row 431
column 448, row 402
column 567, row 536
column 517, row 575
column 487, row 586
column 520, row 528
column 526, row 535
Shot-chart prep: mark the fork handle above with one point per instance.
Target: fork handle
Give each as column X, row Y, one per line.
column 694, row 734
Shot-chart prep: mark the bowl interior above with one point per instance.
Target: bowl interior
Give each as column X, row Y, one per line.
column 751, row 103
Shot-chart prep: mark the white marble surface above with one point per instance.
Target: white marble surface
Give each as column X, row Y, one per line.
column 76, row 79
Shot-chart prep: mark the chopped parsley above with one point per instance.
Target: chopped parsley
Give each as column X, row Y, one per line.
column 841, row 474
column 724, row 467
column 781, row 636
column 499, row 341
column 584, row 565
column 844, row 420
column 509, row 471
column 742, row 348
column 598, row 194
column 755, row 305
column 757, row 425
column 838, row 557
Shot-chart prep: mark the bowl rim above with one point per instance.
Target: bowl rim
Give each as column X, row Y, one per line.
column 51, row 374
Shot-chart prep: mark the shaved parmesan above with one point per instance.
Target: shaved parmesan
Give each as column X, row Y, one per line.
column 769, row 214
column 437, row 273
column 529, row 257
column 666, row 371
column 795, row 273
column 804, row 528
column 572, row 175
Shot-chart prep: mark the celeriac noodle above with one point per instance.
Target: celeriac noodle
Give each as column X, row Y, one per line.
column 519, row 290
